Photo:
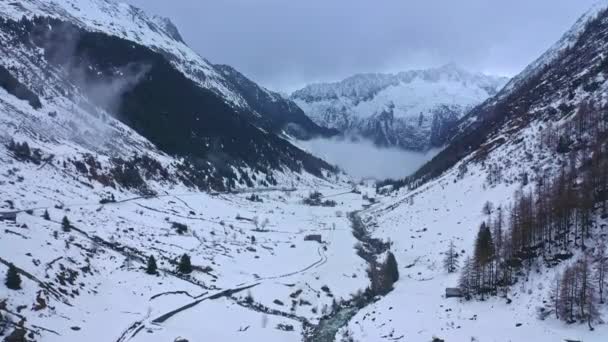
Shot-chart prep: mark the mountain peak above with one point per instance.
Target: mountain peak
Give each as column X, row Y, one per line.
column 422, row 102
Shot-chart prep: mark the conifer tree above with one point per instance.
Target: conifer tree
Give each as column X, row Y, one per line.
column 151, row 268
column 65, row 224
column 484, row 259
column 46, row 215
column 391, row 268
column 13, row 279
column 185, row 266
column 450, row 262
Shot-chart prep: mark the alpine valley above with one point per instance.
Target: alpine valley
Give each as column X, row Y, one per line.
column 147, row 194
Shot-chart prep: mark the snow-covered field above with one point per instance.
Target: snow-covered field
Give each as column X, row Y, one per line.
column 421, row 223
column 97, row 270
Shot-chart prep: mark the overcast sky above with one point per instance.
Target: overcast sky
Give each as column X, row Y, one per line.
column 285, row 44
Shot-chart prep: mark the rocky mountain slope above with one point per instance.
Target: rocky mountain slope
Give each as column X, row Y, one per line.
column 273, row 111
column 551, row 89
column 111, row 61
column 412, row 110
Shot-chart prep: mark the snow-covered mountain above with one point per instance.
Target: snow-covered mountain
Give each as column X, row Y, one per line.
column 93, row 62
column 506, row 164
column 87, row 199
column 411, row 109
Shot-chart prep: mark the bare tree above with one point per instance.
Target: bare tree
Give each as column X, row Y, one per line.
column 450, row 261
column 601, row 269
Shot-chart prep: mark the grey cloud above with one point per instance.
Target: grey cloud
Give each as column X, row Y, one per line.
column 286, row 44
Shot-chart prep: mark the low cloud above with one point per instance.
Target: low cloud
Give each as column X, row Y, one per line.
column 362, row 159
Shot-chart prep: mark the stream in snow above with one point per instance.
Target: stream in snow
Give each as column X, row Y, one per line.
column 329, row 326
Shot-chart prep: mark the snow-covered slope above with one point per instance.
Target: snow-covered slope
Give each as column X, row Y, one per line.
column 94, row 62
column 553, row 120
column 159, row 34
column 410, row 109
column 552, row 88
column 128, row 22
column 255, row 276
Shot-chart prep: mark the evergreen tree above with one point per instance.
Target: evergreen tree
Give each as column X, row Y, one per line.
column 13, row 279
column 391, row 268
column 151, row 267
column 450, row 262
column 46, row 215
column 484, row 259
column 65, row 224
column 185, row 266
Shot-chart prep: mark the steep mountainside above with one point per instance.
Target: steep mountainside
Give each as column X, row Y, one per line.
column 97, row 56
column 271, row 110
column 551, row 89
column 522, row 194
column 412, row 109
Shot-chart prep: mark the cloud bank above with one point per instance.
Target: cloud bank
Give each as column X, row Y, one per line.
column 362, row 159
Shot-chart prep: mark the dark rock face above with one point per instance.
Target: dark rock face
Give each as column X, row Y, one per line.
column 275, row 113
column 14, row 87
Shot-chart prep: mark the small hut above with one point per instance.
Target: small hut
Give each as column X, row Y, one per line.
column 453, row 292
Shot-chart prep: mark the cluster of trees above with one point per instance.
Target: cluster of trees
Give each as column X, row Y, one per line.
column 183, row 266
column 23, row 152
column 578, row 290
column 552, row 220
column 383, row 275
column 480, row 273
column 315, row 199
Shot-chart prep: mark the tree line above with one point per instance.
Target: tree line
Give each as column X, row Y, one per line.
column 552, row 220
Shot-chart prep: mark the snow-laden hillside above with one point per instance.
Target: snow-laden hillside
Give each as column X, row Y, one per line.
column 421, row 223
column 161, row 35
column 89, row 281
column 128, row 22
column 83, row 79
column 552, row 123
column 410, row 109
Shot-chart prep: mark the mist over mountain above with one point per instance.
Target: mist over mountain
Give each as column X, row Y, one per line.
column 411, row 110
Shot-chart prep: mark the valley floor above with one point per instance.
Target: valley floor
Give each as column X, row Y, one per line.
column 255, row 276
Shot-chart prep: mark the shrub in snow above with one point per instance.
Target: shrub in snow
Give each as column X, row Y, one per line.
column 180, row 228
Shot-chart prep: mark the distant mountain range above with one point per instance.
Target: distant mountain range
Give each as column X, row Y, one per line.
column 412, row 109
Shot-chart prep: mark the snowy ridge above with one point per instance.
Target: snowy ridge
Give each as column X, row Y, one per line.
column 567, row 41
column 508, row 149
column 410, row 109
column 128, row 22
